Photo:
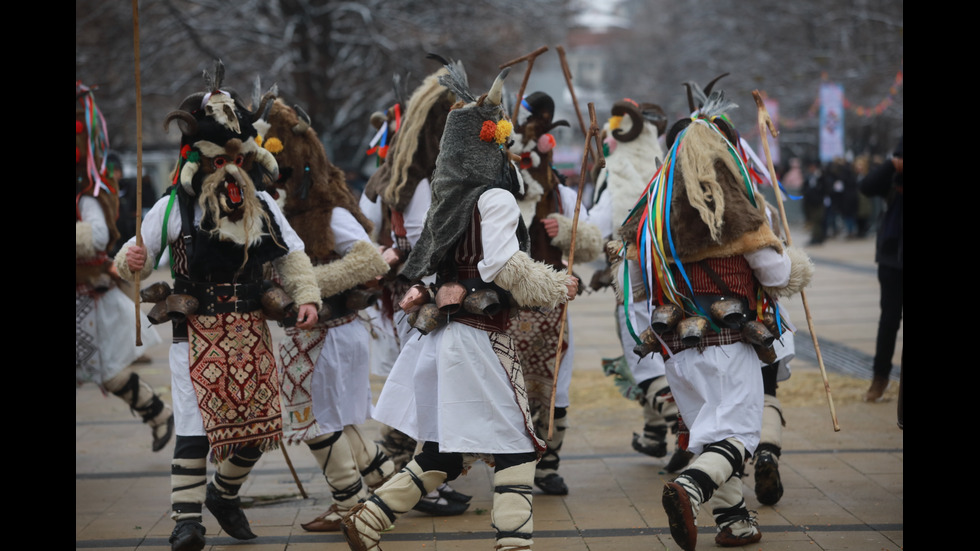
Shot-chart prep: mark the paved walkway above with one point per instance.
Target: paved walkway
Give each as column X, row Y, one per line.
column 844, row 489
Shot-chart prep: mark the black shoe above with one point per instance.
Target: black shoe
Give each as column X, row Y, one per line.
column 160, row 442
column 553, row 484
column 678, row 461
column 658, row 450
column 451, row 494
column 768, row 485
column 229, row 514
column 188, row 535
column 440, row 507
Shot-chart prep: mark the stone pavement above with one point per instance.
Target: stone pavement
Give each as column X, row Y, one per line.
column 843, row 489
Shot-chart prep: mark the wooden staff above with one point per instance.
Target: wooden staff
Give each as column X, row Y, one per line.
column 139, row 164
column 593, row 133
column 282, row 446
column 765, row 122
column 527, row 74
column 571, row 90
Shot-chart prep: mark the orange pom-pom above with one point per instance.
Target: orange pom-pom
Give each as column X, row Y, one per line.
column 489, row 131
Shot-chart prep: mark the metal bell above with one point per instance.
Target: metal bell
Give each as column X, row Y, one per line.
column 730, row 312
column 755, row 332
column 484, row 302
column 360, row 298
column 649, row 343
column 449, row 297
column 665, row 317
column 767, row 354
column 429, row 318
column 158, row 314
column 156, row 292
column 180, row 306
column 276, row 303
column 692, row 329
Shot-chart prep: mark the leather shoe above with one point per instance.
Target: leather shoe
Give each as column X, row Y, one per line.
column 553, row 484
column 188, row 535
column 330, row 521
column 658, row 450
column 159, row 442
column 680, row 516
column 450, row 493
column 229, row 514
column 440, row 506
column 678, row 461
column 877, row 389
column 725, row 538
column 768, row 485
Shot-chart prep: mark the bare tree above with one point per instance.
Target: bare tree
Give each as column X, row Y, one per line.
column 335, row 58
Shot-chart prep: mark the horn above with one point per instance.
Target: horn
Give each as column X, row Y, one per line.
column 304, row 121
column 186, row 122
column 621, row 108
column 262, row 110
column 707, row 89
column 496, row 91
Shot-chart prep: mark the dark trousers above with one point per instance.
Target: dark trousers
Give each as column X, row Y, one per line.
column 892, row 293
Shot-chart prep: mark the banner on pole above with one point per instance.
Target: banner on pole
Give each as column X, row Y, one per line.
column 831, row 121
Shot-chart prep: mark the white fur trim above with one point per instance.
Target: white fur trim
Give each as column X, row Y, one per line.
column 296, row 272
column 84, row 243
column 588, row 239
column 532, row 283
column 800, row 275
column 361, row 264
column 123, row 268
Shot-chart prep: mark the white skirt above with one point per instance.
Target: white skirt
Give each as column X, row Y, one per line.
column 449, row 387
column 718, row 393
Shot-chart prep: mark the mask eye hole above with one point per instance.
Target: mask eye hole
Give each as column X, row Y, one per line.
column 239, row 160
column 219, row 162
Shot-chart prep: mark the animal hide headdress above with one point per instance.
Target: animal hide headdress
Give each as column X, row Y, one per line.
column 222, row 167
column 92, row 175
column 632, row 136
column 702, row 203
column 472, row 159
column 312, row 185
column 416, row 147
column 535, row 144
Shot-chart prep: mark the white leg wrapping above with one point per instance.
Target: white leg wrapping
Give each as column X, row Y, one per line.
column 367, row 520
column 188, row 480
column 512, row 515
column 372, row 463
column 772, row 422
column 337, row 463
column 729, row 509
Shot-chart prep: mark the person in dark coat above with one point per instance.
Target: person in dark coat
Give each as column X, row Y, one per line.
column 886, row 181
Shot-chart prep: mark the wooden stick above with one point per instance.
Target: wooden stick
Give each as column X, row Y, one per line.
column 571, row 90
column 765, row 122
column 282, row 446
column 139, row 164
column 527, row 74
column 593, row 133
